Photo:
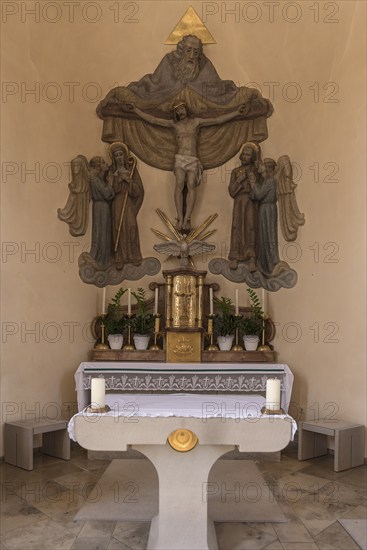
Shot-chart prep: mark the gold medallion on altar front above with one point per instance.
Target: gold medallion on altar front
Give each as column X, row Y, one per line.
column 182, row 440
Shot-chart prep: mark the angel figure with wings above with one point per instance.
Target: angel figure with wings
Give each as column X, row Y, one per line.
column 117, row 194
column 76, row 211
column 275, row 183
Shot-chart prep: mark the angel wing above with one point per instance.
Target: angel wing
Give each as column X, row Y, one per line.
column 170, row 248
column 290, row 216
column 76, row 211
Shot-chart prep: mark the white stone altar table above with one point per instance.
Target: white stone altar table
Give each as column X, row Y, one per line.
column 183, row 377
column 182, row 522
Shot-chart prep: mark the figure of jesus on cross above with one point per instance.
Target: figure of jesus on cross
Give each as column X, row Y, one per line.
column 187, row 167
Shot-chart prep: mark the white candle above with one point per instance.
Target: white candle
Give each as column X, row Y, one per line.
column 156, row 301
column 210, row 301
column 103, row 300
column 263, row 300
column 237, row 307
column 98, row 393
column 273, row 394
column 129, row 301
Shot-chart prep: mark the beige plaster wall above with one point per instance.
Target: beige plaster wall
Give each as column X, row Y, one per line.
column 316, row 67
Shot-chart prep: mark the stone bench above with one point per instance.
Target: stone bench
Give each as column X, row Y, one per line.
column 19, row 440
column 349, row 442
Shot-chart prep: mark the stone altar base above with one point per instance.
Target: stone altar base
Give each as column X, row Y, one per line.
column 236, row 491
column 182, row 521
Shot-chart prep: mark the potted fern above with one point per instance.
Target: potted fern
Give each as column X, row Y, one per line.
column 114, row 321
column 225, row 323
column 252, row 325
column 143, row 322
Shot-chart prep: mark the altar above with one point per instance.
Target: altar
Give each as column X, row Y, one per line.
column 182, row 435
column 183, row 377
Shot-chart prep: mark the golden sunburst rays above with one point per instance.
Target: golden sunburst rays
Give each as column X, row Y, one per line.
column 194, row 234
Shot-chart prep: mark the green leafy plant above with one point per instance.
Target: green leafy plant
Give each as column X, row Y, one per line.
column 225, row 323
column 143, row 322
column 114, row 321
column 251, row 326
column 256, row 309
column 114, row 326
column 253, row 323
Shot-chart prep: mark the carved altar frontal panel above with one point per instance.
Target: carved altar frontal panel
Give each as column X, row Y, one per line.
column 184, row 301
column 185, row 381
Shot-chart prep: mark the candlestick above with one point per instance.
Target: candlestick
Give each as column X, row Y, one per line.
column 102, row 346
column 263, row 346
column 104, row 300
column 129, row 346
column 156, row 301
column 212, row 346
column 210, row 301
column 129, row 301
column 236, row 301
column 237, row 346
column 272, row 394
column 98, row 393
column 155, row 346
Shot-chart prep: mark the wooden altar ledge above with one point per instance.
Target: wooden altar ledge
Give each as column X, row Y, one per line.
column 159, row 356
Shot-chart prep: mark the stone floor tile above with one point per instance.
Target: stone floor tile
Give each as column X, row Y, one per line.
column 117, row 545
column 354, row 476
column 63, row 510
column 335, row 491
column 61, row 468
column 291, row 488
column 82, row 461
column 17, row 513
column 322, row 467
column 336, row 537
column 81, row 482
column 300, row 546
column 359, row 512
column 292, row 532
column 317, row 514
column 276, row 545
column 97, row 529
column 286, row 466
column 244, row 536
column 88, row 543
column 12, row 477
column 134, row 534
column 41, row 535
column 316, row 497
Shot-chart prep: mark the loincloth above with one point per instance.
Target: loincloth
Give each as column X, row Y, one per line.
column 189, row 164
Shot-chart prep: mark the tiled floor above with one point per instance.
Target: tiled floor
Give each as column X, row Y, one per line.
column 38, row 507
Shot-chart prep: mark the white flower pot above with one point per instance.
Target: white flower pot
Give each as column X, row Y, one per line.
column 141, row 341
column 115, row 341
column 251, row 342
column 225, row 342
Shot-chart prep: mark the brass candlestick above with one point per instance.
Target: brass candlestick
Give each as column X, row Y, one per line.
column 237, row 346
column 264, row 410
column 263, row 346
column 212, row 346
column 129, row 346
column 98, row 410
column 102, row 346
column 155, row 346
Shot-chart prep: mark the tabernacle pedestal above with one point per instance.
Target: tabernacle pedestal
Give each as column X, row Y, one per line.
column 184, row 314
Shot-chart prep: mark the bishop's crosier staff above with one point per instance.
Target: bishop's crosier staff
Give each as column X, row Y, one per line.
column 131, row 160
